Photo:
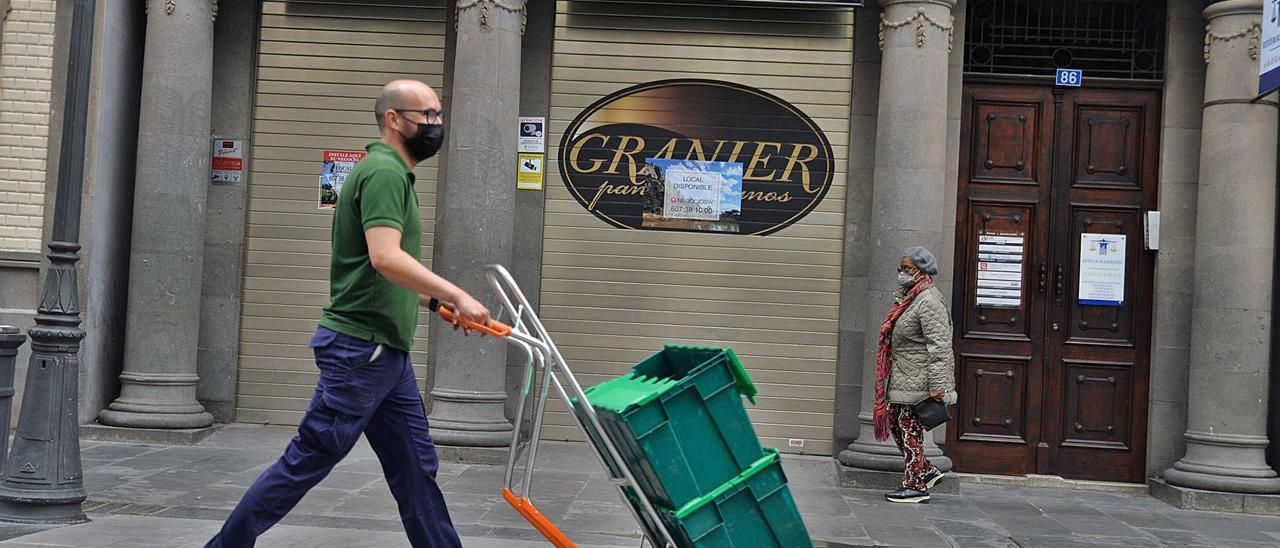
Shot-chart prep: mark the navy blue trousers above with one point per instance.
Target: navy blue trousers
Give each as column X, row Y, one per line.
column 363, row 388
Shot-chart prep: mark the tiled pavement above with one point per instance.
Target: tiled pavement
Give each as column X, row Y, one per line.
column 168, row 496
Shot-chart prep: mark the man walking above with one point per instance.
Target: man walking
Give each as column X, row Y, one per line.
column 362, row 344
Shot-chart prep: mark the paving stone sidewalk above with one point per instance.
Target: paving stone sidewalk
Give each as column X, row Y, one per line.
column 169, row 496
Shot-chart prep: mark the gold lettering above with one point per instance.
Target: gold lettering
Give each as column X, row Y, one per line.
column 794, row 160
column 668, row 150
column 757, row 196
column 695, row 146
column 613, row 190
column 621, row 151
column 573, row 153
column 760, row 158
column 716, row 154
column 599, row 192
column 737, row 149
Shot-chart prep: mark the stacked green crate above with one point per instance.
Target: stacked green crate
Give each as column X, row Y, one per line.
column 755, row 509
column 678, row 421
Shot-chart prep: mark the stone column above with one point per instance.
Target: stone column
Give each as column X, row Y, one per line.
column 1235, row 238
column 1180, row 118
column 476, row 209
column 908, row 195
column 166, row 264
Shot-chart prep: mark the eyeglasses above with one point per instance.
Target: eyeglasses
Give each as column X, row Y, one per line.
column 432, row 116
column 907, row 270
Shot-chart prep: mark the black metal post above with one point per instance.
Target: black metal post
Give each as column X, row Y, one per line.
column 11, row 339
column 1273, row 400
column 43, row 480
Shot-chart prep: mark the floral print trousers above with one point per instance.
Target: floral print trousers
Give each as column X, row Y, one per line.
column 908, row 433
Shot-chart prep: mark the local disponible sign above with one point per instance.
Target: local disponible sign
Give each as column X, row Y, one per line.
column 755, row 164
column 692, row 195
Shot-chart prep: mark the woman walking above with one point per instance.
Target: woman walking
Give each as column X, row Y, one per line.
column 915, row 362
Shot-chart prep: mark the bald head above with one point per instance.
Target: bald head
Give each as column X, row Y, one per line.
column 406, row 95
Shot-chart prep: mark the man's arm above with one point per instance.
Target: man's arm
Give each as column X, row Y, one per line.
column 405, row 271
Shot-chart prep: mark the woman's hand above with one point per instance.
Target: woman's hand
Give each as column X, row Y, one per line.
column 940, row 396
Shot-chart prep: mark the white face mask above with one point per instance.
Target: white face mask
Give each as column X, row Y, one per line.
column 906, row 280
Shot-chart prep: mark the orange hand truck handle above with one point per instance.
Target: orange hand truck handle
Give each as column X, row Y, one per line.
column 495, row 328
column 535, row 518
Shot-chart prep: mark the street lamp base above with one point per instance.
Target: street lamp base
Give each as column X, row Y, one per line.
column 42, row 507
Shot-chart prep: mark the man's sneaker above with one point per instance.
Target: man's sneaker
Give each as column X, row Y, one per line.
column 910, row 496
column 932, row 478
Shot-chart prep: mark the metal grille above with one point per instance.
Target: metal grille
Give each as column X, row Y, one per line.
column 1104, row 38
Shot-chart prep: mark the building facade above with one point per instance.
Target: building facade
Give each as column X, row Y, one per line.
column 1095, row 340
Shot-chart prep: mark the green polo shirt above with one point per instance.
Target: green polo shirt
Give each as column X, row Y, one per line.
column 363, row 303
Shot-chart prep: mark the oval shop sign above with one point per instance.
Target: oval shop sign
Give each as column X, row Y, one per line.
column 696, row 155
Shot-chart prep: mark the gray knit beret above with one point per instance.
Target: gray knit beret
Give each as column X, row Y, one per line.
column 923, row 259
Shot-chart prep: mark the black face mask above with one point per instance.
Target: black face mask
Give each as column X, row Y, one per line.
column 426, row 142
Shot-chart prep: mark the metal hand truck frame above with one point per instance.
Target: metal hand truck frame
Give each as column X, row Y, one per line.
column 527, row 333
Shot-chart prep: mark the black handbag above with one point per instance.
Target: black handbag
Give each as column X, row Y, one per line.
column 931, row 413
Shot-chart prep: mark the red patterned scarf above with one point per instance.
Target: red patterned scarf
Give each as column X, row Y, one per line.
column 884, row 360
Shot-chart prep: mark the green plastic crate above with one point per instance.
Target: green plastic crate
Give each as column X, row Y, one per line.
column 679, row 422
column 753, row 510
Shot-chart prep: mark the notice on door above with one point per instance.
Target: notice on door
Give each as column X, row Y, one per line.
column 1000, row 270
column 1102, row 269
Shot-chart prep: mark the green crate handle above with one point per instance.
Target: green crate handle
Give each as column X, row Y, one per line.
column 741, row 379
column 631, row 389
column 770, row 456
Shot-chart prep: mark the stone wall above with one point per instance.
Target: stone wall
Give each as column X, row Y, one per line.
column 26, row 73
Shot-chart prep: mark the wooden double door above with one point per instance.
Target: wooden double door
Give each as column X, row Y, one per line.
column 1054, row 284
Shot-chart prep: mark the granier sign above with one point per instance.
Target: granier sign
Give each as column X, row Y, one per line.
column 610, row 150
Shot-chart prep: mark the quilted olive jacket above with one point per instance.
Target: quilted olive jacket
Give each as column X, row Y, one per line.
column 923, row 357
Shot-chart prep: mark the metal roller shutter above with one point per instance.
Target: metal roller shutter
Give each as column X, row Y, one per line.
column 320, row 66
column 612, row 296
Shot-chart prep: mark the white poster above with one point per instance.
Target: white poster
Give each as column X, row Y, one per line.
column 692, row 195
column 533, row 135
column 1102, row 269
column 1000, row 270
column 227, row 164
column 1269, row 56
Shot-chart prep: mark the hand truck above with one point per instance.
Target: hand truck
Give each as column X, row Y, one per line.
column 544, row 370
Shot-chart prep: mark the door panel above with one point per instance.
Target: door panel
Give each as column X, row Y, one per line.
column 1097, row 411
column 1005, row 170
column 1103, row 325
column 997, row 412
column 1007, row 135
column 999, row 222
column 1050, row 384
column 1101, row 355
column 1108, row 141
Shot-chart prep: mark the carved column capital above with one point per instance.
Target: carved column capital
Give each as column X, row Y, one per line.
column 169, row 7
column 510, row 6
column 1242, row 19
column 1253, row 32
column 921, row 20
